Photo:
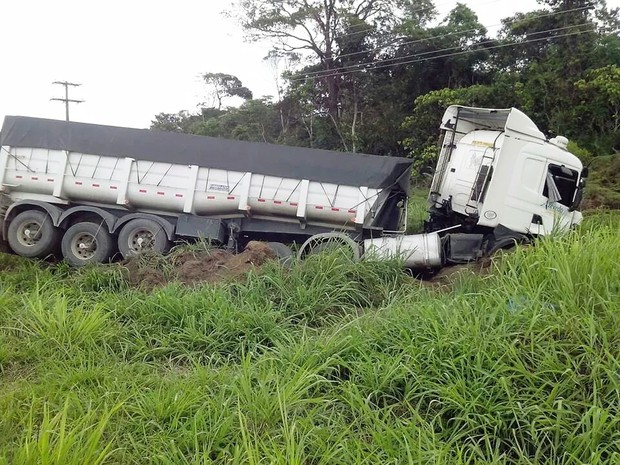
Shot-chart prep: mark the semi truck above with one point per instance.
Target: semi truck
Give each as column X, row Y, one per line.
column 89, row 192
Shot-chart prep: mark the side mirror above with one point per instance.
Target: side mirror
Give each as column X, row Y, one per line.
column 584, row 172
column 578, row 196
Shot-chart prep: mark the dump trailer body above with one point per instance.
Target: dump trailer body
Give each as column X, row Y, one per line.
column 67, row 163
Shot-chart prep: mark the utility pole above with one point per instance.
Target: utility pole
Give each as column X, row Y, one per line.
column 67, row 100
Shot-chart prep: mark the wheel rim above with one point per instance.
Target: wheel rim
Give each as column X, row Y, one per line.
column 84, row 246
column 29, row 233
column 141, row 240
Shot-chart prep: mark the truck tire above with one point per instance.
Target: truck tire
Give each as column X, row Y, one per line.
column 140, row 235
column 504, row 244
column 87, row 243
column 283, row 252
column 320, row 243
column 31, row 234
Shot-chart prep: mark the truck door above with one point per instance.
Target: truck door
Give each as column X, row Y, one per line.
column 472, row 164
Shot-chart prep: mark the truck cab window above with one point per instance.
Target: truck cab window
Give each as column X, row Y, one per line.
column 561, row 184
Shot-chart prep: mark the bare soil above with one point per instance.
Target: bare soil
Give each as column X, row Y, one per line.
column 447, row 277
column 192, row 267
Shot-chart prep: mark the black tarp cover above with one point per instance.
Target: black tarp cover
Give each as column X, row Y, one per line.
column 269, row 159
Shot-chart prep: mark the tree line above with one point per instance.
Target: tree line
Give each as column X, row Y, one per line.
column 375, row 76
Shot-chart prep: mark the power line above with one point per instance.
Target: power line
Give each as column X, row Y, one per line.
column 396, row 60
column 441, row 36
column 67, row 100
column 418, row 60
column 544, row 15
column 463, row 52
column 576, row 33
column 365, row 28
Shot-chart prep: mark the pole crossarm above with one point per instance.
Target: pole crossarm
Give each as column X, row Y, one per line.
column 67, row 100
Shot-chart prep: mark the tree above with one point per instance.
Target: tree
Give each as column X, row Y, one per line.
column 598, row 111
column 451, row 54
column 226, row 85
column 548, row 51
column 171, row 122
column 184, row 121
column 316, row 27
column 256, row 120
column 353, row 70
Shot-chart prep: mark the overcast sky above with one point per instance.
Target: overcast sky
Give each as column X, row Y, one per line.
column 137, row 58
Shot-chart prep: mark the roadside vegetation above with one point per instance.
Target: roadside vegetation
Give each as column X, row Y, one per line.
column 375, row 76
column 325, row 362
column 604, row 183
column 328, row 362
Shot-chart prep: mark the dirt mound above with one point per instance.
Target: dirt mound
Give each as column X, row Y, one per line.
column 195, row 267
column 220, row 264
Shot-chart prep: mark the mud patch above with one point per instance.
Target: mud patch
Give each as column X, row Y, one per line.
column 195, row 267
column 449, row 276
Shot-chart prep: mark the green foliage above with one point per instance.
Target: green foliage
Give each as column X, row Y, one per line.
column 599, row 106
column 417, row 210
column 576, row 42
column 184, row 121
column 583, row 154
column 332, row 32
column 58, row 439
column 603, row 188
column 180, row 122
column 226, row 85
column 327, row 362
column 377, row 75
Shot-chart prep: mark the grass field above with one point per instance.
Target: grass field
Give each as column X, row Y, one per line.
column 330, row 362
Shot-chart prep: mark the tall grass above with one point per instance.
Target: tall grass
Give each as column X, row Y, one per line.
column 328, row 362
column 56, row 439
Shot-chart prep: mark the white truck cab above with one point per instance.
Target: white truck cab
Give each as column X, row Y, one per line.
column 496, row 168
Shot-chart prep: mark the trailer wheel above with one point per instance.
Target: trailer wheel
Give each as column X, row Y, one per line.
column 31, row 234
column 142, row 235
column 85, row 243
column 283, row 252
column 323, row 242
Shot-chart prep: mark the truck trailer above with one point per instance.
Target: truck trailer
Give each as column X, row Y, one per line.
column 89, row 191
